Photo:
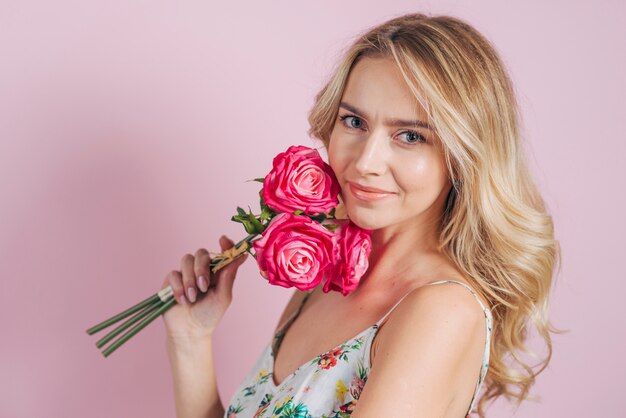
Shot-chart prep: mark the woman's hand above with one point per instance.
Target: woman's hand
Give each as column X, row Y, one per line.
column 202, row 296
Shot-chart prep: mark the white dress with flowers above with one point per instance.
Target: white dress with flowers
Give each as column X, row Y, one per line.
column 328, row 385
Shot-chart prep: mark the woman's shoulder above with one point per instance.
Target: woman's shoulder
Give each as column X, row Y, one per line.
column 462, row 289
column 430, row 310
column 432, row 342
column 443, row 297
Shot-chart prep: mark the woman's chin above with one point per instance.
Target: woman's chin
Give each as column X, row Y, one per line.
column 362, row 222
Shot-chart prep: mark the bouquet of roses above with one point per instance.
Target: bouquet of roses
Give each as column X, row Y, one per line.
column 297, row 240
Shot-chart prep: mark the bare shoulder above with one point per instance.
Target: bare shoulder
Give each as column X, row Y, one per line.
column 433, row 343
column 434, row 309
column 292, row 306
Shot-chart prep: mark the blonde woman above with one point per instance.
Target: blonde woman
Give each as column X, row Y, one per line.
column 421, row 126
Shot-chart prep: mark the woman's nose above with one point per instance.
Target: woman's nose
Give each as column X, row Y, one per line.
column 372, row 158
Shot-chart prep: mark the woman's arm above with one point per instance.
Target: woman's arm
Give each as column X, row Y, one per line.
column 193, row 373
column 428, row 357
column 189, row 330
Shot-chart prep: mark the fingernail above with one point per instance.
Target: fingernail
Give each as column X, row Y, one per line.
column 204, row 285
column 191, row 294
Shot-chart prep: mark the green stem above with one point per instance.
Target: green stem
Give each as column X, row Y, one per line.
column 155, row 308
column 163, row 308
column 131, row 321
column 124, row 314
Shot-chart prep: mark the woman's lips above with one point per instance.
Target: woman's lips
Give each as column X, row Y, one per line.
column 365, row 195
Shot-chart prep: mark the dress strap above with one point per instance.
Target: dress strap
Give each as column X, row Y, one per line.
column 488, row 322
column 482, row 305
column 293, row 316
column 489, row 326
column 381, row 320
column 282, row 329
column 487, row 311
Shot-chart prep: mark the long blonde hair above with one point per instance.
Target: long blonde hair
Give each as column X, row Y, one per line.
column 497, row 230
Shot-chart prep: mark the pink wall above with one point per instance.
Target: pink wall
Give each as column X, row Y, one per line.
column 127, row 134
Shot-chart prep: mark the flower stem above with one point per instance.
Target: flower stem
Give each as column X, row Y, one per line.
column 123, row 314
column 125, row 325
column 163, row 308
column 154, row 306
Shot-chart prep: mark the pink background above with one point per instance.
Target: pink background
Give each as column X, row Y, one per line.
column 128, row 131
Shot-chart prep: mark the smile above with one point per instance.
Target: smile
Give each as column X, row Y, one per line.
column 365, row 195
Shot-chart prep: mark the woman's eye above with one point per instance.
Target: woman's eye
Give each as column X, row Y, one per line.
column 413, row 137
column 358, row 125
column 354, row 122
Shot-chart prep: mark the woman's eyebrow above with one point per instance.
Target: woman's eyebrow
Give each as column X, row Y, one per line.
column 390, row 122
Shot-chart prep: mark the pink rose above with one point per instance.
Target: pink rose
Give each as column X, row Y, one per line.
column 295, row 251
column 300, row 180
column 351, row 256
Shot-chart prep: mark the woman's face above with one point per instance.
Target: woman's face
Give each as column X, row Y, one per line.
column 380, row 140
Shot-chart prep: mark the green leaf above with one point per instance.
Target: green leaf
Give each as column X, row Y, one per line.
column 266, row 208
column 241, row 211
column 250, row 229
column 319, row 218
column 260, row 179
column 332, row 213
column 262, row 202
column 266, row 213
column 331, row 227
column 298, row 212
column 259, row 228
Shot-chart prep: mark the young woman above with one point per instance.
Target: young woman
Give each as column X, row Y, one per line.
column 421, row 128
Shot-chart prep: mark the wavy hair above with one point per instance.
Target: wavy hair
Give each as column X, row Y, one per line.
column 495, row 227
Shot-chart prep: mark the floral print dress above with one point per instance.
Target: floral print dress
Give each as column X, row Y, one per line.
column 327, row 386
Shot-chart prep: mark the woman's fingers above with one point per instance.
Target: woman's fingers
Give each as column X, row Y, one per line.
column 202, row 265
column 189, row 277
column 226, row 242
column 224, row 287
column 195, row 274
column 174, row 279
